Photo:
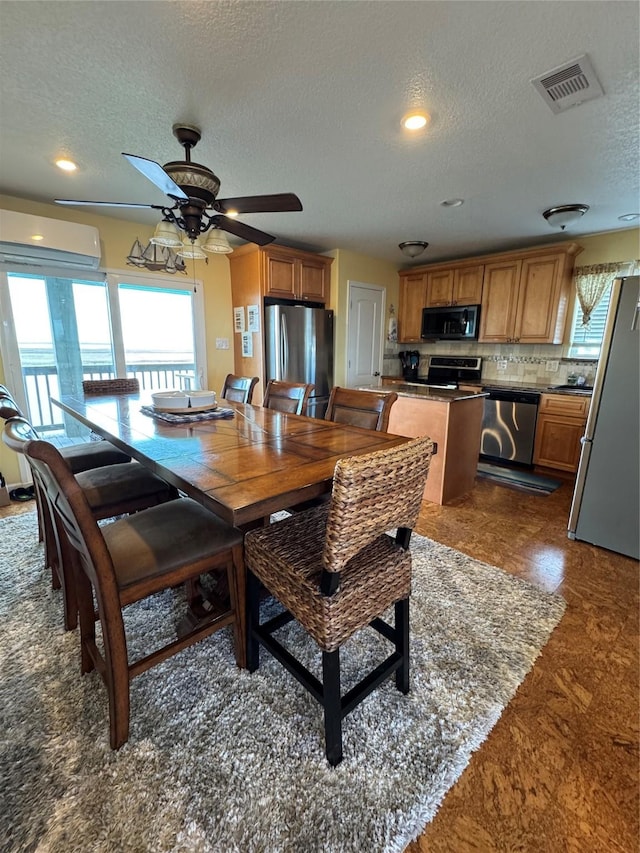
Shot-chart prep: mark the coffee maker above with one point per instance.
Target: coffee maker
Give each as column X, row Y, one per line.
column 410, row 361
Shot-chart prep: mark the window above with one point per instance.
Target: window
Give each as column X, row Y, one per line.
column 61, row 328
column 586, row 340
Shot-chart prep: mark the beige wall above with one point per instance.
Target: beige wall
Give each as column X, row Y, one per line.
column 609, row 247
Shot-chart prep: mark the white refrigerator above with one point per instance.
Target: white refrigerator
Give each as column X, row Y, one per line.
column 606, row 503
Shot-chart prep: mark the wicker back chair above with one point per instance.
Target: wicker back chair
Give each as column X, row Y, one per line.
column 287, row 396
column 239, row 389
column 335, row 569
column 110, row 490
column 128, row 560
column 111, row 386
column 367, row 409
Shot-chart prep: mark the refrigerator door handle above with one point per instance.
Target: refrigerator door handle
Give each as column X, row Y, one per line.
column 284, row 347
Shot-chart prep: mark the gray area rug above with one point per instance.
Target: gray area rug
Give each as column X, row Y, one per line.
column 220, row 760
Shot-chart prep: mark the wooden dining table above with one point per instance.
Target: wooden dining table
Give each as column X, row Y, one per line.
column 244, row 467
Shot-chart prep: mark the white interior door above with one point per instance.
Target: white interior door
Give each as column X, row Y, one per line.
column 364, row 333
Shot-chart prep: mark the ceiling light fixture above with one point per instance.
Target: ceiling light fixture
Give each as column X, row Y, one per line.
column 452, row 202
column 412, row 248
column 415, row 120
column 155, row 258
column 66, row 165
column 629, row 217
column 565, row 214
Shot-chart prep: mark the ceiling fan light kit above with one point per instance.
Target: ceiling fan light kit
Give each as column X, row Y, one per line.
column 412, row 248
column 195, row 208
column 565, row 214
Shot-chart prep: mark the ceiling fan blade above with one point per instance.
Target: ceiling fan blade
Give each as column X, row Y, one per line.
column 242, row 230
column 106, row 203
column 278, row 203
column 157, row 175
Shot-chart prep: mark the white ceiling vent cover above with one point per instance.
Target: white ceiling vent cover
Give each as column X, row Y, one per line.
column 569, row 84
column 36, row 240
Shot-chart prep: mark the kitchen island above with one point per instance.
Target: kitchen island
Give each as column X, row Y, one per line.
column 453, row 420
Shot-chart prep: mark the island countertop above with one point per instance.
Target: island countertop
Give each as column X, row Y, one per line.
column 424, row 392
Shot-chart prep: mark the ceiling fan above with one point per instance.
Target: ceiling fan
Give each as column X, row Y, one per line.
column 193, row 188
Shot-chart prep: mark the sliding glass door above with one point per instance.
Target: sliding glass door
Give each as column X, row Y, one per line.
column 58, row 330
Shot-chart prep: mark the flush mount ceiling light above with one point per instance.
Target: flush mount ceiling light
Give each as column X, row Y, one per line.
column 565, row 214
column 415, row 120
column 66, row 165
column 629, row 217
column 413, row 248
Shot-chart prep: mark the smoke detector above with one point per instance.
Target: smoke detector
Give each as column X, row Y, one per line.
column 569, row 85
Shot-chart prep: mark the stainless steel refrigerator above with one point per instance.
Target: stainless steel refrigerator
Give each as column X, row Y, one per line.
column 299, row 348
column 606, row 502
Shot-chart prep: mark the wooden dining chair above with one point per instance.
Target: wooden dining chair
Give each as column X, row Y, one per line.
column 110, row 490
column 239, row 389
column 367, row 409
column 111, row 386
column 129, row 560
column 335, row 569
column 287, row 396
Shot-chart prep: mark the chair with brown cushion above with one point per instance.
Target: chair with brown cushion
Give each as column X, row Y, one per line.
column 129, row 560
column 287, row 396
column 336, row 569
column 109, row 491
column 367, row 409
column 239, row 389
column 111, row 386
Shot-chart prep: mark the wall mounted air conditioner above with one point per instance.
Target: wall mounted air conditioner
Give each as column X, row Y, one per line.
column 36, row 240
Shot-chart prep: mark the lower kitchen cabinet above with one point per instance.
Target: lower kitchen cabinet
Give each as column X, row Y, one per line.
column 561, row 424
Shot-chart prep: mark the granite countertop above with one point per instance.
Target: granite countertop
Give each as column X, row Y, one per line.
column 422, row 392
column 511, row 385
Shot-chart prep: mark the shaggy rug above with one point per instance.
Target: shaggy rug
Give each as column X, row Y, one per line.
column 219, row 760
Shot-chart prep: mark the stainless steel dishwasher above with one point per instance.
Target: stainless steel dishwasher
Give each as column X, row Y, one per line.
column 509, row 426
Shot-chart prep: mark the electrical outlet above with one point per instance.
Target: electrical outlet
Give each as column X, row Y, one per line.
column 222, row 343
column 552, row 366
column 502, row 365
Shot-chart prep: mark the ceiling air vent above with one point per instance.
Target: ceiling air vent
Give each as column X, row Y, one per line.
column 569, row 84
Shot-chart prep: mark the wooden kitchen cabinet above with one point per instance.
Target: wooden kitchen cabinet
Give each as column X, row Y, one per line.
column 455, row 286
column 560, row 426
column 413, row 289
column 289, row 274
column 526, row 298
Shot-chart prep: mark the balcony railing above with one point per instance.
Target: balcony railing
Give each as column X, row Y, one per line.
column 41, row 383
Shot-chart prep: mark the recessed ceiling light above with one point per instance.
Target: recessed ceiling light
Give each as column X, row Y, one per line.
column 231, row 213
column 66, row 165
column 629, row 217
column 37, row 236
column 415, row 120
column 452, row 202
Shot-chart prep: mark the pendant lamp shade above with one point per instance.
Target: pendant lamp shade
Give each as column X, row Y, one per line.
column 166, row 234
column 189, row 249
column 217, row 243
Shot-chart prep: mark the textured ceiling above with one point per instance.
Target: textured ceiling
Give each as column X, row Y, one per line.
column 306, row 97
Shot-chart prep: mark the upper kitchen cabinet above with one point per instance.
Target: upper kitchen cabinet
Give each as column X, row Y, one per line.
column 291, row 274
column 413, row 294
column 526, row 296
column 455, row 286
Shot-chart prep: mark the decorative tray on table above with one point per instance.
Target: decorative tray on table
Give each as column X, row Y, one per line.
column 191, row 410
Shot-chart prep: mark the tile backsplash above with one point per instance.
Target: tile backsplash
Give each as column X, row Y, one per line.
column 506, row 362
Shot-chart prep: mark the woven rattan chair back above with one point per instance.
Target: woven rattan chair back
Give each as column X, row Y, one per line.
column 239, row 389
column 367, row 409
column 287, row 396
column 372, row 494
column 111, row 386
column 118, row 580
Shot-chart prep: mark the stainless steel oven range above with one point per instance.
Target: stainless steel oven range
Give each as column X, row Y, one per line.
column 448, row 371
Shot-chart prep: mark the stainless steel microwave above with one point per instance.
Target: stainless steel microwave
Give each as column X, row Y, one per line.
column 454, row 323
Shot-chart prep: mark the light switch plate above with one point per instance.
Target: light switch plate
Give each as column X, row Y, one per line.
column 222, row 343
column 501, row 365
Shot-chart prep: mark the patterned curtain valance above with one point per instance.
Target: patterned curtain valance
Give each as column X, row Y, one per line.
column 592, row 281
